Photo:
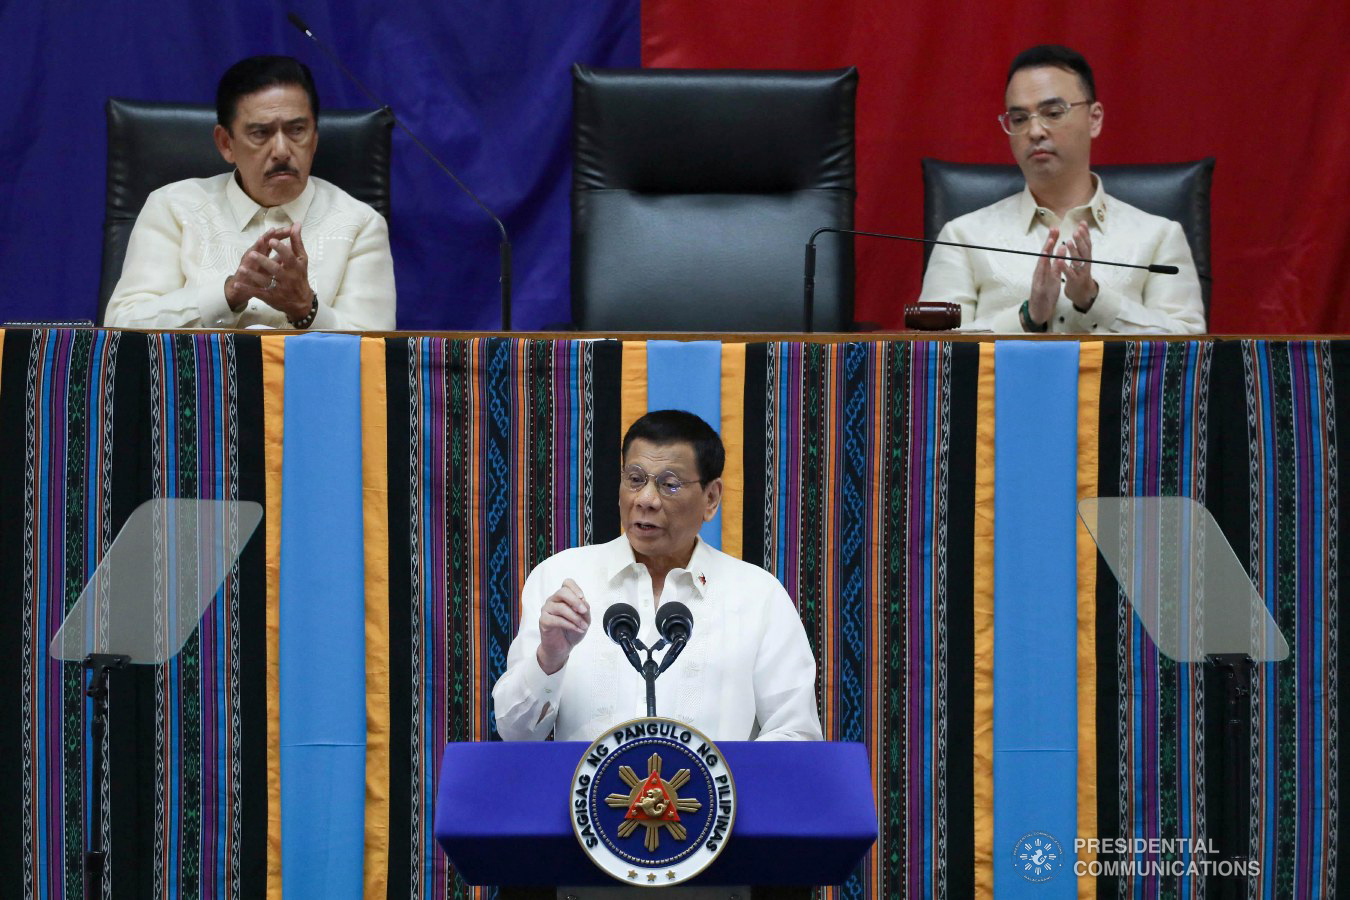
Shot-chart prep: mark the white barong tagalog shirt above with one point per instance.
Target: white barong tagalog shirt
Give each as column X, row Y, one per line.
column 991, row 287
column 191, row 234
column 747, row 672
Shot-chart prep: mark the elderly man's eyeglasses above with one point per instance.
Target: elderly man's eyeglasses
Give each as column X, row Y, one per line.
column 1052, row 115
column 636, row 478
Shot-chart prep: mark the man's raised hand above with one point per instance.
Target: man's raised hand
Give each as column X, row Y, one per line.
column 563, row 622
column 291, row 293
column 280, row 281
column 1045, row 283
column 255, row 270
column 1079, row 285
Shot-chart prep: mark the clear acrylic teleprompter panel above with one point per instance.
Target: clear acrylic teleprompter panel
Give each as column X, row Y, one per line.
column 1181, row 576
column 161, row 572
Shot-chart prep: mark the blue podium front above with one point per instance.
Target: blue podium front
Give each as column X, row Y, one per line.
column 805, row 815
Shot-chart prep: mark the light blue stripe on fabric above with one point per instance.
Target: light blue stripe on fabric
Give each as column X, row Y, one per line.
column 322, row 621
column 1035, row 604
column 688, row 375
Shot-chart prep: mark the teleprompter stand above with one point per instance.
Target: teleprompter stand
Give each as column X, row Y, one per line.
column 1197, row 604
column 141, row 605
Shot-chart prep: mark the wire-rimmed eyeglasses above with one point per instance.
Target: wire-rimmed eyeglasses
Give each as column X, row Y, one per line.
column 1052, row 115
column 668, row 483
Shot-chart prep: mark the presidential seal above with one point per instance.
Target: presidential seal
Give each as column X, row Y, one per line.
column 653, row 802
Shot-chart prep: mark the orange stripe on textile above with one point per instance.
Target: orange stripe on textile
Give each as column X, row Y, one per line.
column 523, row 426
column 825, row 611
column 983, row 724
column 633, row 393
column 475, row 355
column 733, row 439
column 375, row 523
column 876, row 636
column 1089, row 417
column 274, row 385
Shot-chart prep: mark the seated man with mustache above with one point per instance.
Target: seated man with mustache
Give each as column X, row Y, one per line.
column 1052, row 117
column 228, row 251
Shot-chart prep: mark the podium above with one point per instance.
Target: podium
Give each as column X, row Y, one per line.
column 806, row 814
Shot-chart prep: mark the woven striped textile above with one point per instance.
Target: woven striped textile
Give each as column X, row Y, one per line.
column 502, row 452
column 863, row 480
column 1254, row 431
column 94, row 423
column 495, row 448
column 866, row 517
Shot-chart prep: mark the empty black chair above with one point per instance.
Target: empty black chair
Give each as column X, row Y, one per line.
column 154, row 144
column 694, row 193
column 1176, row 191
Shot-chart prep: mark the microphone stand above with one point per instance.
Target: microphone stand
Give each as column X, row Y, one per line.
column 504, row 249
column 809, row 284
column 649, row 669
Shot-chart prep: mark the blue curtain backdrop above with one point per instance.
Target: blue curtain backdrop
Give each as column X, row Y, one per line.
column 485, row 84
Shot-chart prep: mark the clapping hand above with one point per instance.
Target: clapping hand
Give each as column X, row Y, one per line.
column 280, row 281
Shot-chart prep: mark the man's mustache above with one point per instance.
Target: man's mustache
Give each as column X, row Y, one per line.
column 282, row 170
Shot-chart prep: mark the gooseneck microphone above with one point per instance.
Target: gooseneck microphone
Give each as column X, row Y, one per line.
column 674, row 622
column 505, row 247
column 809, row 286
column 621, row 625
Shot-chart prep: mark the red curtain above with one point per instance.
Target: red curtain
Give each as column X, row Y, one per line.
column 1264, row 89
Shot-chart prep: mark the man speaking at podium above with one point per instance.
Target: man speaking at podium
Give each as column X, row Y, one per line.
column 265, row 244
column 1051, row 119
column 747, row 671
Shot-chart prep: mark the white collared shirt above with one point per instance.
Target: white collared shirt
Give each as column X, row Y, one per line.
column 191, row 234
column 991, row 287
column 747, row 672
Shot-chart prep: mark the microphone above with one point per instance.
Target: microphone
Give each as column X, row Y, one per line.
column 621, row 625
column 505, row 247
column 809, row 285
column 621, row 622
column 675, row 623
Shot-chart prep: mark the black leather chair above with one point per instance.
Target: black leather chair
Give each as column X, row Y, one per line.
column 154, row 144
column 1177, row 191
column 694, row 193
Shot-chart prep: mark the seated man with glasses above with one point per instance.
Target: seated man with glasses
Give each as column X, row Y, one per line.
column 747, row 672
column 1052, row 118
